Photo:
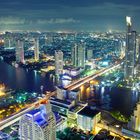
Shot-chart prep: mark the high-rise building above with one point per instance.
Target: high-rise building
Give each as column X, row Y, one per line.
column 134, row 123
column 89, row 54
column 20, row 51
column 36, row 50
column 38, row 124
column 138, row 62
column 130, row 51
column 58, row 63
column 78, row 55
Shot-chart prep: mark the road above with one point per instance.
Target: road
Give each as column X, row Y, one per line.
column 15, row 117
column 87, row 79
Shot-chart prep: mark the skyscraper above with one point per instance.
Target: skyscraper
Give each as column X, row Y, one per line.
column 20, row 51
column 38, row 124
column 36, row 50
column 138, row 61
column 89, row 54
column 78, row 55
column 130, row 51
column 134, row 123
column 58, row 62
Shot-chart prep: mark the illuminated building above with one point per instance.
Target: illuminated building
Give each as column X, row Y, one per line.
column 61, row 122
column 78, row 55
column 133, row 128
column 4, row 136
column 138, row 62
column 134, row 124
column 36, row 50
column 19, row 51
column 89, row 54
column 61, row 106
column 2, row 90
column 58, row 63
column 130, row 51
column 87, row 118
column 73, row 72
column 64, row 94
column 38, row 124
column 65, row 80
column 72, row 115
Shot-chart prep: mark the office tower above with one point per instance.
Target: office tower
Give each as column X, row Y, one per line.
column 58, row 63
column 19, row 51
column 78, row 55
column 38, row 124
column 130, row 51
column 36, row 50
column 74, row 55
column 89, row 54
column 122, row 49
column 138, row 62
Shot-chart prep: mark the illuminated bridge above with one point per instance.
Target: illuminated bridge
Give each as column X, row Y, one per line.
column 16, row 117
column 79, row 83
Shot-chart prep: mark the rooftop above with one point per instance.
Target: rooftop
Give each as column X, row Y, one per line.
column 41, row 122
column 33, row 112
column 61, row 101
column 38, row 117
column 88, row 111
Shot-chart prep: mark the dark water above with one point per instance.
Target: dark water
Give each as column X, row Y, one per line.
column 18, row 78
column 119, row 99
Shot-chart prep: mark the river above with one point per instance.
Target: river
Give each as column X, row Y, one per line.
column 18, row 78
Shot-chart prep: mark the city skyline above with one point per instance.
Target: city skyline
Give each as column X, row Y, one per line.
column 54, row 15
column 69, row 70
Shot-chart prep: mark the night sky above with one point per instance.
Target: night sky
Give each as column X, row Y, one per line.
column 68, row 15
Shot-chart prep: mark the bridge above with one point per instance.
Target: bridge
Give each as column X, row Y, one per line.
column 79, row 83
column 16, row 117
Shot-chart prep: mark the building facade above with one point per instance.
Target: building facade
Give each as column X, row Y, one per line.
column 59, row 63
column 78, row 55
column 36, row 50
column 130, row 51
column 38, row 124
column 134, row 124
column 20, row 51
column 88, row 118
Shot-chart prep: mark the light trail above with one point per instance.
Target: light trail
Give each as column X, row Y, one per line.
column 15, row 117
column 82, row 81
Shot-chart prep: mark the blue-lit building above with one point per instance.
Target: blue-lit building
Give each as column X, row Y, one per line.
column 4, row 136
column 38, row 124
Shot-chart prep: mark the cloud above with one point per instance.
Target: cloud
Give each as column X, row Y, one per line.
column 67, row 15
column 104, row 9
column 21, row 21
column 57, row 21
column 11, row 20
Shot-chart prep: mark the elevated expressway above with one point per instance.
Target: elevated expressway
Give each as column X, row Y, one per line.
column 16, row 117
column 79, row 83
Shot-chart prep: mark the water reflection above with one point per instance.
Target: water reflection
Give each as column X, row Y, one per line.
column 18, row 78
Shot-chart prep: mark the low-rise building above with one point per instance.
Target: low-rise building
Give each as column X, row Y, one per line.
column 87, row 118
